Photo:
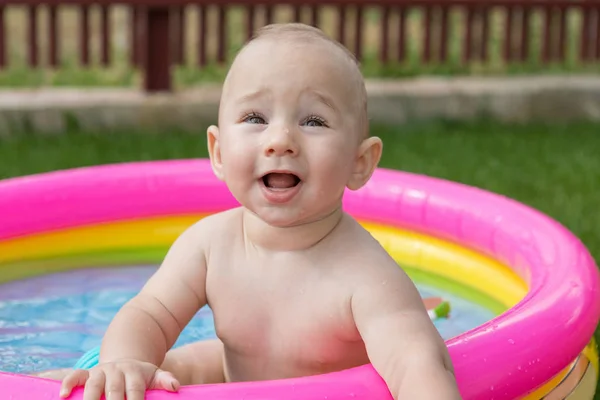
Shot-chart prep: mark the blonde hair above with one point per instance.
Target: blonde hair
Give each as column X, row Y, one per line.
column 299, row 31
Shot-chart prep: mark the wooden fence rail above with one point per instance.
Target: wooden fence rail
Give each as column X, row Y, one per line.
column 157, row 38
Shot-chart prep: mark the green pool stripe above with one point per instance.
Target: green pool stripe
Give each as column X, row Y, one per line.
column 104, row 258
column 456, row 288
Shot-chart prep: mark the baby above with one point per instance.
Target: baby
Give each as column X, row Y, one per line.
column 296, row 285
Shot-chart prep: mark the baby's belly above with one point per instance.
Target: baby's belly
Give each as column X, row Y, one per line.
column 292, row 359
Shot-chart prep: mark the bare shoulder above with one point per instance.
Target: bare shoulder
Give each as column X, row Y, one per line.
column 179, row 284
column 194, row 244
column 369, row 267
column 186, row 261
column 212, row 227
column 360, row 251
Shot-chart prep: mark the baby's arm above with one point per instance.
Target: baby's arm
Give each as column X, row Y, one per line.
column 150, row 323
column 146, row 327
column 402, row 343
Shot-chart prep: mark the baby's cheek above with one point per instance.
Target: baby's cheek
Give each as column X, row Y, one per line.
column 336, row 173
column 239, row 154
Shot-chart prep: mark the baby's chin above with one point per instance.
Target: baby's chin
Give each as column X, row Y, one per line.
column 293, row 217
column 287, row 216
column 282, row 216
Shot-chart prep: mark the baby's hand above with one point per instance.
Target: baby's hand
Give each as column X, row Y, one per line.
column 117, row 379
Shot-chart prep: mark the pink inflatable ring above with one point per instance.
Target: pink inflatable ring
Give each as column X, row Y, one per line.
column 547, row 332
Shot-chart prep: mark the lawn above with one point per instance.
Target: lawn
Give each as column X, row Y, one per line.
column 552, row 167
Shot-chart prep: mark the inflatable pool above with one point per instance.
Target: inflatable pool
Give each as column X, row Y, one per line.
column 539, row 278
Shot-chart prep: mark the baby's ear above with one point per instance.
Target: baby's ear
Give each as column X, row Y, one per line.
column 214, row 150
column 367, row 159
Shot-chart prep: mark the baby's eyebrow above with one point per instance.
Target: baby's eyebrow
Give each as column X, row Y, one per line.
column 323, row 98
column 252, row 96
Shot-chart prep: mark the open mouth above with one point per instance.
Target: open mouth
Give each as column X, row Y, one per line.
column 280, row 181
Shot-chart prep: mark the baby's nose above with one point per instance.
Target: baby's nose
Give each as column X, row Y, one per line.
column 281, row 143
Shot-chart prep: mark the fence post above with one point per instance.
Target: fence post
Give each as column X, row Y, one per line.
column 3, row 42
column 157, row 52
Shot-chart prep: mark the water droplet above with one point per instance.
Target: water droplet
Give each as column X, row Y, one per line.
column 519, row 367
column 511, row 341
column 492, row 388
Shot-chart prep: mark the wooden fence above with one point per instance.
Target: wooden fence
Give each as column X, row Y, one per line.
column 157, row 40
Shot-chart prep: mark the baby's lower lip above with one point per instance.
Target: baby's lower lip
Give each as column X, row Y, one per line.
column 263, row 183
column 279, row 195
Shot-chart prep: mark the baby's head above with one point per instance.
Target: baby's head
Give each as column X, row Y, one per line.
column 285, row 43
column 293, row 126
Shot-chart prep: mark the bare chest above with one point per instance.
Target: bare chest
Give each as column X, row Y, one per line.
column 275, row 314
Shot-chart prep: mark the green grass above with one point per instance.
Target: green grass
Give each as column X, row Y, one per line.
column 552, row 167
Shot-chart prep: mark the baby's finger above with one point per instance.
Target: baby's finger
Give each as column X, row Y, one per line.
column 94, row 387
column 74, row 379
column 114, row 387
column 165, row 380
column 135, row 387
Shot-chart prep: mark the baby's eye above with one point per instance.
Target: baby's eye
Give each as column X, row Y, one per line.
column 315, row 121
column 254, row 118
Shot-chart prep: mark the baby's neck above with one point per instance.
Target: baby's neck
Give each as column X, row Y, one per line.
column 298, row 237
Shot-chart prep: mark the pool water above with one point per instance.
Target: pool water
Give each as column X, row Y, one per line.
column 49, row 321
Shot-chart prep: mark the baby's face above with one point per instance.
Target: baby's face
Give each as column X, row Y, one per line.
column 289, row 129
